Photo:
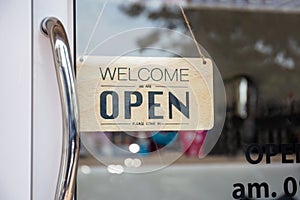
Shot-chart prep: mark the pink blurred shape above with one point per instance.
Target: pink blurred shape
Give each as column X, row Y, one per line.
column 192, row 141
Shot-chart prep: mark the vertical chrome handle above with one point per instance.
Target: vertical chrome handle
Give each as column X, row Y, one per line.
column 66, row 185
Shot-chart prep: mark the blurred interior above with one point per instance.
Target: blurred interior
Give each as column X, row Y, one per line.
column 256, row 47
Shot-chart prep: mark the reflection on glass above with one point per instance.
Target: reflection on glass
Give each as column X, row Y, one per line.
column 134, row 148
column 115, row 169
column 243, row 47
column 257, row 49
column 85, row 169
column 242, row 104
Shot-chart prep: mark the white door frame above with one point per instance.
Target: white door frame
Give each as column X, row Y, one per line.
column 30, row 106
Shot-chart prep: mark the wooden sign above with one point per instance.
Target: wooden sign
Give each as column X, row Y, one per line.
column 145, row 93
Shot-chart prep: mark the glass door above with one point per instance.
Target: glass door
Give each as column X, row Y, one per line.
column 250, row 151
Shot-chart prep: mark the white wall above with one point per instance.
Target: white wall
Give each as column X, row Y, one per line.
column 15, row 99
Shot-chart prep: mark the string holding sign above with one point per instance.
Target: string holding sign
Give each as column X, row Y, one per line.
column 192, row 33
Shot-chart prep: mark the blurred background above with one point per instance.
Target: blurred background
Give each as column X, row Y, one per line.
column 256, row 47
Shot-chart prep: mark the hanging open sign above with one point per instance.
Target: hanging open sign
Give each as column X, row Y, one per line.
column 145, row 94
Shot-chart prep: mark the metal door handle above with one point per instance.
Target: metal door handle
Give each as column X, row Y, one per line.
column 66, row 185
